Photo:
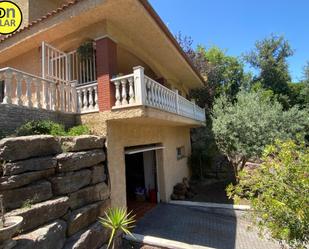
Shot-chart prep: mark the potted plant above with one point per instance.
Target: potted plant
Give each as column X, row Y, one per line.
column 118, row 221
column 86, row 50
column 8, row 227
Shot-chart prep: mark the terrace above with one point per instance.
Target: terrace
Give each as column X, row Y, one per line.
column 69, row 84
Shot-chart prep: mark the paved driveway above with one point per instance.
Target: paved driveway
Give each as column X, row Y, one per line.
column 224, row 229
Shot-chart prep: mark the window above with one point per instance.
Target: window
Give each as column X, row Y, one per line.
column 180, row 152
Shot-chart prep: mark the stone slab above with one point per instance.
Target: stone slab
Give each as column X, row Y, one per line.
column 93, row 237
column 41, row 213
column 88, row 195
column 33, row 193
column 70, row 182
column 33, row 164
column 82, row 143
column 20, row 148
column 98, row 174
column 16, row 181
column 51, row 236
column 72, row 161
column 83, row 217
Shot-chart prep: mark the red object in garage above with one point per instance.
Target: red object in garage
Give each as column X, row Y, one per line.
column 153, row 195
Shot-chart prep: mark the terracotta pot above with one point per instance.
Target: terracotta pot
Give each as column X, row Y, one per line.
column 11, row 226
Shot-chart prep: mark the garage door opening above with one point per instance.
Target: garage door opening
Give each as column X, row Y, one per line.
column 141, row 178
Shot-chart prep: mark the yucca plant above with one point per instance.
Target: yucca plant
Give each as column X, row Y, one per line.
column 117, row 219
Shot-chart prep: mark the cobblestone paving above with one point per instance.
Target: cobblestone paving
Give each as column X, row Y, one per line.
column 224, row 229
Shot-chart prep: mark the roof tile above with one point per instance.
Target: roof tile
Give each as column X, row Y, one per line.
column 46, row 16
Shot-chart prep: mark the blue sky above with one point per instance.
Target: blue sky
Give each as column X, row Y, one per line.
column 235, row 25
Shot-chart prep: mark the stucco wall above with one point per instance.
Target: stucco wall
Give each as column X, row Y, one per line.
column 29, row 62
column 171, row 170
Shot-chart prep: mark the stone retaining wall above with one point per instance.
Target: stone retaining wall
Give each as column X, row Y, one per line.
column 59, row 186
column 12, row 117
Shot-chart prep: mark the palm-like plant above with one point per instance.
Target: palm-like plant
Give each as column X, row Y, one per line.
column 117, row 219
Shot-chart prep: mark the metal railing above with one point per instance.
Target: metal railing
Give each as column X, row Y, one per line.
column 63, row 67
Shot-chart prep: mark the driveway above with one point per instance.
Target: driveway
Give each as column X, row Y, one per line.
column 202, row 227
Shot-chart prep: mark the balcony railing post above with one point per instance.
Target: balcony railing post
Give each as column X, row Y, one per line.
column 177, row 101
column 139, row 85
column 194, row 108
column 8, row 79
column 28, row 91
column 74, row 96
column 43, row 59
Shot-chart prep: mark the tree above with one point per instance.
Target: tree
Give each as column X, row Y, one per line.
column 304, row 92
column 228, row 72
column 299, row 92
column 243, row 128
column 270, row 59
column 278, row 193
column 224, row 73
column 197, row 57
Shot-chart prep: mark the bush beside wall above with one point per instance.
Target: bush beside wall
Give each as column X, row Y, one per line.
column 12, row 117
column 59, row 186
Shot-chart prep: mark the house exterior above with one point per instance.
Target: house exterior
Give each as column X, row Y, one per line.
column 131, row 87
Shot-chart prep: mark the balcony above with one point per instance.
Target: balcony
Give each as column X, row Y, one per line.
column 23, row 89
column 137, row 89
column 69, row 84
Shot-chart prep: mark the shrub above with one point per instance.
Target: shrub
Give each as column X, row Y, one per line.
column 47, row 127
column 42, row 127
column 243, row 129
column 278, row 192
column 78, row 130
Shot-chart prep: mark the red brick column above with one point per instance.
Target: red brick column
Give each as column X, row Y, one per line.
column 106, row 61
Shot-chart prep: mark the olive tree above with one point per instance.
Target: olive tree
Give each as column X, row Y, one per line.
column 244, row 127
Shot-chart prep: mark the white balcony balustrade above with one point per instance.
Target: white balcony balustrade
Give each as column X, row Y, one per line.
column 138, row 89
column 87, row 98
column 23, row 89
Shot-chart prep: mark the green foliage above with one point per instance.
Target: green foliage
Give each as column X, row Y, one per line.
column 225, row 75
column 40, row 128
column 295, row 94
column 299, row 92
column 117, row 219
column 204, row 149
column 270, row 58
column 29, row 202
column 85, row 50
column 242, row 129
column 226, row 72
column 78, row 130
column 278, row 192
column 47, row 127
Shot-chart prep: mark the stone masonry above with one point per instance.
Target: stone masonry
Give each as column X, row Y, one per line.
column 59, row 186
column 13, row 116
